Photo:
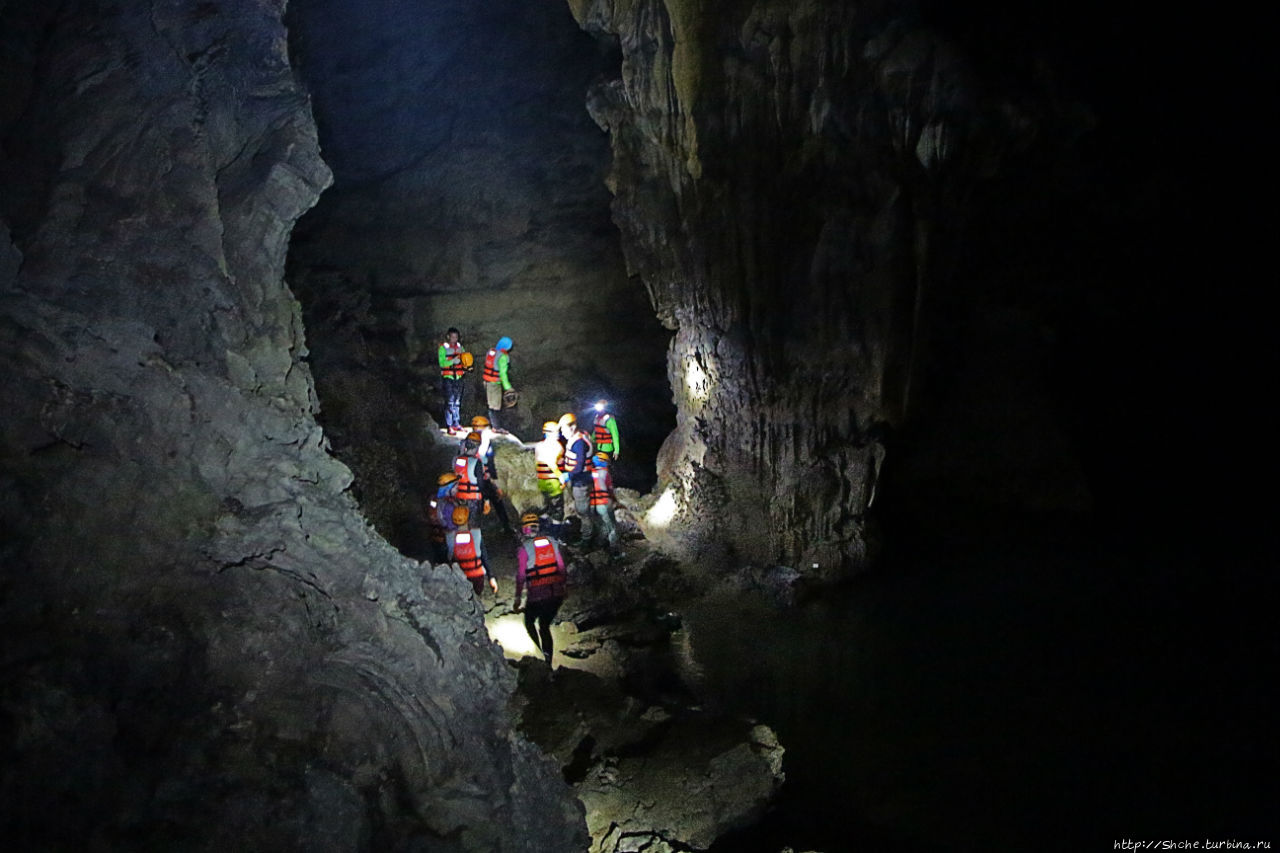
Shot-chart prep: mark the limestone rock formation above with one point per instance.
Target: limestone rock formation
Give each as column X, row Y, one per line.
column 206, row 647
column 790, row 180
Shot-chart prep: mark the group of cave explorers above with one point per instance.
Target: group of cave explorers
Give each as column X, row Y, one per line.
column 566, row 456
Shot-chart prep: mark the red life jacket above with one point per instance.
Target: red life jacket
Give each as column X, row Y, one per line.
column 601, row 487
column 467, row 556
column 491, row 373
column 468, row 484
column 541, row 566
column 604, row 438
column 543, row 456
column 454, row 371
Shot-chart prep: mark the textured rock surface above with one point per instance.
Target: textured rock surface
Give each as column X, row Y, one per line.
column 469, row 192
column 206, row 647
column 790, row 180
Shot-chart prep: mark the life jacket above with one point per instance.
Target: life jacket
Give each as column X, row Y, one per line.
column 541, row 566
column 604, row 438
column 468, row 482
column 601, row 487
column 453, row 371
column 549, row 455
column 491, row 373
column 571, row 458
column 466, row 555
column 435, row 520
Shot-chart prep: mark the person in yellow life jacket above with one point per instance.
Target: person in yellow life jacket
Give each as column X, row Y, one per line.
column 466, row 550
column 540, row 568
column 487, row 454
column 496, row 363
column 577, row 468
column 548, row 456
column 606, row 431
column 454, row 361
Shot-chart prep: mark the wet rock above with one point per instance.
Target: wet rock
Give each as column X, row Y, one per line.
column 207, row 646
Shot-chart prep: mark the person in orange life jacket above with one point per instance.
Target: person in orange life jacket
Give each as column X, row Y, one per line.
column 577, row 466
column 548, row 456
column 440, row 516
column 482, row 436
column 470, row 474
column 605, row 431
column 603, row 501
column 540, row 567
column 452, row 369
column 467, row 551
column 496, row 363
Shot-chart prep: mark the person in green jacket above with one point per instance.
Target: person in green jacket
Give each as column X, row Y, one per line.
column 496, row 382
column 605, row 433
column 454, row 361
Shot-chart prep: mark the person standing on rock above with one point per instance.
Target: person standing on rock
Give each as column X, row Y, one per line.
column 606, row 431
column 540, row 567
column 466, row 550
column 603, row 501
column 496, row 363
column 487, row 455
column 454, row 361
column 577, row 465
column 548, row 457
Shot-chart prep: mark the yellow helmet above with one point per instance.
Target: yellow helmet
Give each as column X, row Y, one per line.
column 460, row 515
column 529, row 519
column 475, row 436
column 479, row 421
column 467, row 360
column 446, row 478
column 550, row 426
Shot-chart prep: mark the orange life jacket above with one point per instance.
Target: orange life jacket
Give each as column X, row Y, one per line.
column 601, row 487
column 541, row 566
column 491, row 373
column 467, row 556
column 468, row 484
column 571, row 458
column 604, row 438
column 453, row 371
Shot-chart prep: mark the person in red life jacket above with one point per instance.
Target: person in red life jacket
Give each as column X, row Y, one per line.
column 470, row 473
column 540, row 568
column 577, row 466
column 605, row 431
column 487, row 454
column 466, row 550
column 454, row 361
column 603, row 502
column 496, row 363
column 440, row 516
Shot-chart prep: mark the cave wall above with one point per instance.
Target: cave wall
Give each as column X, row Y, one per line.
column 791, row 182
column 206, row 645
column 469, row 192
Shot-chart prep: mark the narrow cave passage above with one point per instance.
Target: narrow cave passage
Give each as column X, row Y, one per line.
column 469, row 192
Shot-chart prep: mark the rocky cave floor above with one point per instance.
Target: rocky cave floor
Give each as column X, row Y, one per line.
column 657, row 767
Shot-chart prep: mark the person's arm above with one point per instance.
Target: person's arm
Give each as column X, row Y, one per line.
column 503, row 361
column 580, row 462
column 522, row 558
column 613, row 433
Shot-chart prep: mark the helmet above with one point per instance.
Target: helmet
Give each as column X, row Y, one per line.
column 468, row 360
column 529, row 518
column 479, row 421
column 473, row 436
column 461, row 515
column 504, row 343
column 446, row 477
column 550, row 426
column 600, row 460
